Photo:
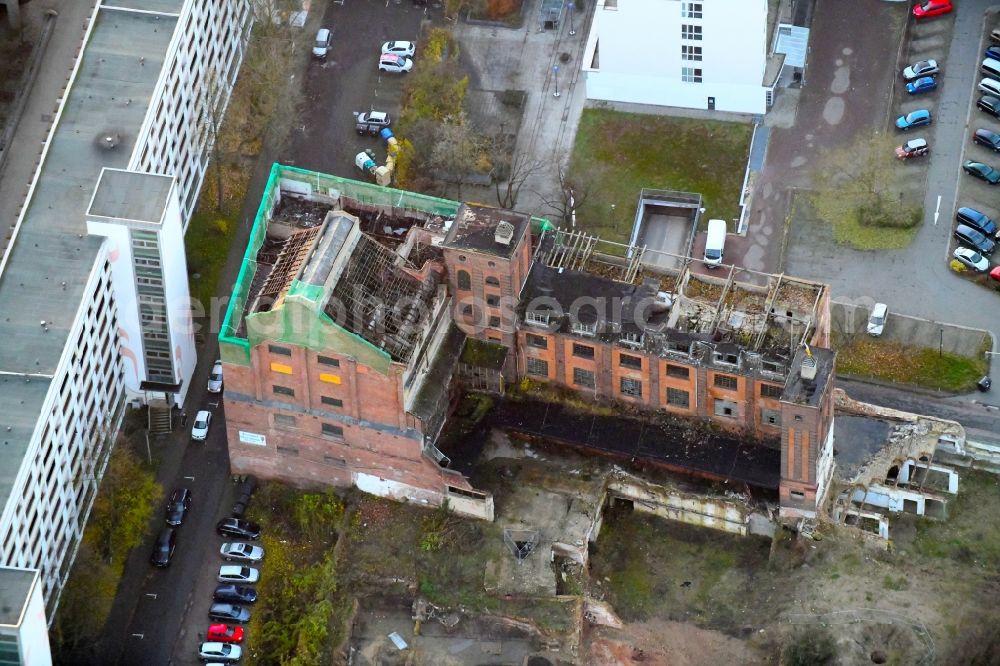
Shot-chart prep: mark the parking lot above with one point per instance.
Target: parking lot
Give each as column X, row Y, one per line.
column 349, row 81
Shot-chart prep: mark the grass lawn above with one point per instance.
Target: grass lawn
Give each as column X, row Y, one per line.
column 846, row 225
column 965, row 536
column 895, row 362
column 618, row 154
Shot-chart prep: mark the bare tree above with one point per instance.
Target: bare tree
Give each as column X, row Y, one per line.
column 521, row 168
column 455, row 153
column 571, row 195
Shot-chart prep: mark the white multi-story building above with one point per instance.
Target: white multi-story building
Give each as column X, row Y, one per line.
column 93, row 283
column 699, row 54
column 24, row 635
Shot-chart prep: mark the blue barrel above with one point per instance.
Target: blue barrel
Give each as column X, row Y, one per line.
column 385, row 133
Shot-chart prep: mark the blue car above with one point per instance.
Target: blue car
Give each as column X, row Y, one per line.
column 921, row 85
column 913, row 119
column 992, row 52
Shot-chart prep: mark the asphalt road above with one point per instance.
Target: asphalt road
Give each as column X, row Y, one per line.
column 349, row 81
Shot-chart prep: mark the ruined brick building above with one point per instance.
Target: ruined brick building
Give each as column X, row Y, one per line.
column 355, row 304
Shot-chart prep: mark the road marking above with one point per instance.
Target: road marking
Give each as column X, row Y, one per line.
column 150, row 594
column 139, row 636
column 189, row 478
column 937, row 211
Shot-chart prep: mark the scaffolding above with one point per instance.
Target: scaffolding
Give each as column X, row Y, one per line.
column 286, row 266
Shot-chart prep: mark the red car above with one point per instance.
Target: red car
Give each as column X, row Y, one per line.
column 224, row 633
column 930, row 8
column 995, row 273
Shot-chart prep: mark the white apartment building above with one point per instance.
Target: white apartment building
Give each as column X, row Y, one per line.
column 93, row 283
column 697, row 54
column 24, row 635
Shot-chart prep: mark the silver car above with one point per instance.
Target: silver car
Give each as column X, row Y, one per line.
column 231, row 573
column 215, row 378
column 240, row 551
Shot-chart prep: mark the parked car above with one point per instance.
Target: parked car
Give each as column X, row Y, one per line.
column 243, row 500
column 224, row 633
column 228, row 613
column 405, row 49
column 989, row 104
column 992, row 52
column 163, row 549
column 921, row 85
column 371, row 122
column 995, row 273
column 972, row 259
column 234, row 573
column 995, row 35
column 215, row 378
column 987, row 138
column 917, row 118
column 234, row 527
column 394, row 63
column 990, row 68
column 223, row 653
column 978, row 221
column 972, row 238
column 234, row 594
column 981, row 171
column 199, row 430
column 921, row 68
column 321, row 47
column 931, row 8
column 912, row 148
column 876, row 320
column 240, row 551
column 989, row 86
column 177, row 506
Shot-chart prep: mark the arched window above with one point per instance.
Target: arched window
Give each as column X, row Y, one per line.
column 492, row 282
column 464, row 281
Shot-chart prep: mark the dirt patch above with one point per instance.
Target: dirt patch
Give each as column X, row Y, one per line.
column 665, row 643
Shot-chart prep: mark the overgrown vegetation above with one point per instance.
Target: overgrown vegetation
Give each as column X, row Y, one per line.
column 119, row 522
column 617, row 154
column 965, row 537
column 650, row 568
column 862, row 195
column 503, row 11
column 263, row 105
column 886, row 360
column 299, row 616
column 811, row 646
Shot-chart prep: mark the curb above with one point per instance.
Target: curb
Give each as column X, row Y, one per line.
column 26, row 84
column 903, row 41
column 909, row 388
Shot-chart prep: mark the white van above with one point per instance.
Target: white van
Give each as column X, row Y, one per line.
column 990, row 68
column 715, row 243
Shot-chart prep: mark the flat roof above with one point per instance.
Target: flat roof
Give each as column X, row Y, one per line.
column 15, row 586
column 155, row 6
column 130, row 195
column 49, row 261
column 475, row 229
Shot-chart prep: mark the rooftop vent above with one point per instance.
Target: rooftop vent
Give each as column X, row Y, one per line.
column 504, row 233
column 808, row 368
column 109, row 140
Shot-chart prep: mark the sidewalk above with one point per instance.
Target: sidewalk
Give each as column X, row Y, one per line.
column 43, row 101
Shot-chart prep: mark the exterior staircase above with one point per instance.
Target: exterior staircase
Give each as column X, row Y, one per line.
column 160, row 421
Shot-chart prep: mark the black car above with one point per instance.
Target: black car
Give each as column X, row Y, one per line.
column 972, row 238
column 234, row 527
column 990, row 105
column 988, row 138
column 177, row 506
column 228, row 613
column 978, row 221
column 163, row 550
column 235, row 594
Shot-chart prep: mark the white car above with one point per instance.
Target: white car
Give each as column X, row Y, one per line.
column 321, row 47
column 972, row 259
column 921, row 68
column 233, row 573
column 199, row 430
column 405, row 49
column 241, row 551
column 394, row 63
column 220, row 652
column 990, row 87
column 876, row 321
column 215, row 378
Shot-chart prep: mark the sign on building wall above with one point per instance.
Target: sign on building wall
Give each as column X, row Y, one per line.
column 253, row 438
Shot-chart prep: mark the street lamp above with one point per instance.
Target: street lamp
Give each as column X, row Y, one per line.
column 555, row 72
column 569, row 6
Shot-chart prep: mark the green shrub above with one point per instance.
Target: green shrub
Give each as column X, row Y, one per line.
column 811, row 647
